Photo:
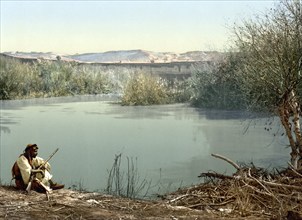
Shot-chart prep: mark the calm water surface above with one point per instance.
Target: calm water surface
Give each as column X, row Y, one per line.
column 171, row 144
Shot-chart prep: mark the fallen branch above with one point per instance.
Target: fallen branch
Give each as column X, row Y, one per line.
column 178, row 198
column 264, row 187
column 227, row 160
column 211, row 204
column 215, row 175
column 294, row 170
column 281, row 185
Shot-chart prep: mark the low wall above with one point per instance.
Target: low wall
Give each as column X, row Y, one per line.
column 179, row 70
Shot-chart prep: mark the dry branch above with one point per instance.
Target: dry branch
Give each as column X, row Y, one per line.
column 294, row 170
column 227, row 160
column 215, row 175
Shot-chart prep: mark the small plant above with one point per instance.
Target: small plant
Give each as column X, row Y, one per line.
column 133, row 186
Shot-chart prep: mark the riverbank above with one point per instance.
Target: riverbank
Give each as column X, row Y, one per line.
column 69, row 204
column 250, row 193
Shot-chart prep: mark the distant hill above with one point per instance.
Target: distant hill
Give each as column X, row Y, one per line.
column 123, row 56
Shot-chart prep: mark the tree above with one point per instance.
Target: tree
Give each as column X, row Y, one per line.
column 270, row 48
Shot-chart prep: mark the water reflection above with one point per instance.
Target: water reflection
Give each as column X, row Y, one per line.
column 138, row 112
column 4, row 129
column 222, row 114
column 6, row 119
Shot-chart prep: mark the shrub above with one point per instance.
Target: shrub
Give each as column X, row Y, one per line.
column 144, row 89
column 217, row 86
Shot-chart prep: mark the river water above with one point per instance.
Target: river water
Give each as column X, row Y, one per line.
column 169, row 144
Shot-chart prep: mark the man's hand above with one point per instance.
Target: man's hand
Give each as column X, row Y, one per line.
column 44, row 167
column 40, row 173
column 34, row 171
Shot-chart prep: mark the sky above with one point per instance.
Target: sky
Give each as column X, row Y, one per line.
column 70, row 27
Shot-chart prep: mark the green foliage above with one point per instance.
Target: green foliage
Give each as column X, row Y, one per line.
column 145, row 89
column 13, row 80
column 178, row 91
column 216, row 85
column 48, row 78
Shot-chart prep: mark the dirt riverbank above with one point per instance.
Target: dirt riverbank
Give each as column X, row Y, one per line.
column 69, row 204
column 250, row 193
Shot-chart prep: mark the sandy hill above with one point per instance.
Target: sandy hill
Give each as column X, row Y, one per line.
column 123, row 56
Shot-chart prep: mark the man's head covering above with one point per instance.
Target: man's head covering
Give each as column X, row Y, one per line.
column 30, row 146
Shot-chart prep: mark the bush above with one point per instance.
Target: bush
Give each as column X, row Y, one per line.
column 217, row 86
column 145, row 89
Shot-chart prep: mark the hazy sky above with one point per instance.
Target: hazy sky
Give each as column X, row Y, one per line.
column 99, row 26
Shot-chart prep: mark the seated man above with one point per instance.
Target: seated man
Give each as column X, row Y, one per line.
column 29, row 164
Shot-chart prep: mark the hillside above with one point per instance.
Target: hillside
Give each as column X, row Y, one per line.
column 123, row 56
